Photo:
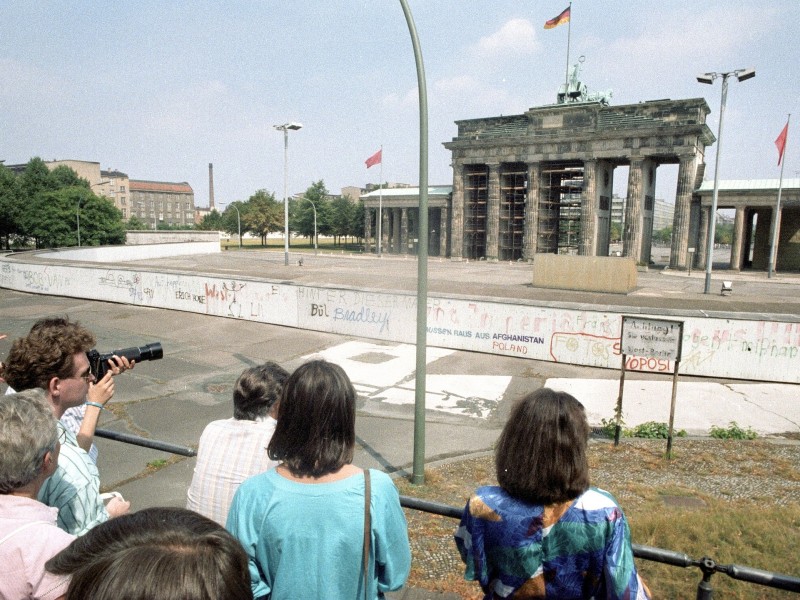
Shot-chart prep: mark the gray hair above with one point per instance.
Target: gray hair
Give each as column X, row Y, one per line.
column 27, row 432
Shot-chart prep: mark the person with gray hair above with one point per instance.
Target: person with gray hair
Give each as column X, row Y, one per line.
column 231, row 450
column 29, row 536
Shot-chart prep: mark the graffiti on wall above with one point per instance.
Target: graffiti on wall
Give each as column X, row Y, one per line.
column 739, row 349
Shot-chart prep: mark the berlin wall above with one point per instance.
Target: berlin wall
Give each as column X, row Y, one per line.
column 712, row 347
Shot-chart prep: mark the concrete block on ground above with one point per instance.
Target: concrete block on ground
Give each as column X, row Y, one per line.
column 616, row 275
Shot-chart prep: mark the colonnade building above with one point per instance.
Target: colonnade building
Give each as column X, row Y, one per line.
column 542, row 182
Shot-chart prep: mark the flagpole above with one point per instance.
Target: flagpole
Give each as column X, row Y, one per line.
column 569, row 32
column 380, row 204
column 773, row 248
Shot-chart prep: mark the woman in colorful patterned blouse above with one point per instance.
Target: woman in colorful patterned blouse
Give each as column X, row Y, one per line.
column 543, row 532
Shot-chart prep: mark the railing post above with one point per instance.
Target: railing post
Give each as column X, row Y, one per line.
column 704, row 589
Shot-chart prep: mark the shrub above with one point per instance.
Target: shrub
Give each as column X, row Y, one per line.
column 652, row 429
column 732, row 432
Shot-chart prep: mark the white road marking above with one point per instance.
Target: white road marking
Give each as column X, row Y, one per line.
column 385, row 373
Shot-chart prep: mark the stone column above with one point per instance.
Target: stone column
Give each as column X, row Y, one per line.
column 737, row 243
column 396, row 230
column 649, row 194
column 493, row 214
column 632, row 228
column 687, row 172
column 444, row 226
column 403, row 231
column 702, row 238
column 385, row 231
column 772, row 252
column 367, row 230
column 587, row 244
column 532, row 211
column 457, row 208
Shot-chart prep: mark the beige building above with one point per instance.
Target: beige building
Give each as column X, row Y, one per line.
column 115, row 186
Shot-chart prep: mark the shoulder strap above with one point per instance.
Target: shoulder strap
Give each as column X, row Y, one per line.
column 367, row 531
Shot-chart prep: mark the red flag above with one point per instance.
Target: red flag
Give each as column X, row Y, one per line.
column 374, row 159
column 559, row 20
column 781, row 142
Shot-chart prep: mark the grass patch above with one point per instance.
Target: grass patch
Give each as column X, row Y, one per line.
column 742, row 506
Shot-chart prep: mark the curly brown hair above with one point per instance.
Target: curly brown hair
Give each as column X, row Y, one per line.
column 46, row 352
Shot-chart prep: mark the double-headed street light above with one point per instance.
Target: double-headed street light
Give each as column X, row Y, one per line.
column 285, row 128
column 708, row 78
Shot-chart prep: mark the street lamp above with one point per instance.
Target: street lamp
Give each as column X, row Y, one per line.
column 315, row 221
column 285, row 128
column 708, row 78
column 78, row 213
column 238, row 223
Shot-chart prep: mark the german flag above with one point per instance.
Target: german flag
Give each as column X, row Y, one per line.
column 559, row 20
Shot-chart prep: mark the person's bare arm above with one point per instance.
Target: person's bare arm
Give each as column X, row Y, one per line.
column 100, row 392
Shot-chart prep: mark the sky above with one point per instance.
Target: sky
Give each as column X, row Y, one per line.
column 159, row 90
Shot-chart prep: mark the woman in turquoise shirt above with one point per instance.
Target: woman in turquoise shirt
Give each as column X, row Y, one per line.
column 302, row 523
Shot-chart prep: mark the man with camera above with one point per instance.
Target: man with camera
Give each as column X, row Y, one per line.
column 53, row 356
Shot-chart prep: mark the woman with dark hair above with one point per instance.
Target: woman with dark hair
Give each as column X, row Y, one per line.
column 164, row 553
column 303, row 523
column 544, row 532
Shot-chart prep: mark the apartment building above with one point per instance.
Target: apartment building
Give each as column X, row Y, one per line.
column 162, row 202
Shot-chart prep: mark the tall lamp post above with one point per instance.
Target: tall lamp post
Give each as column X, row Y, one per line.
column 708, row 78
column 285, row 128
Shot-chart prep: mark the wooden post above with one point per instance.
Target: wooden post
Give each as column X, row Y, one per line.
column 618, row 410
column 672, row 409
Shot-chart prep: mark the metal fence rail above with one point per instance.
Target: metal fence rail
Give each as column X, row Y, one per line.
column 708, row 566
column 668, row 557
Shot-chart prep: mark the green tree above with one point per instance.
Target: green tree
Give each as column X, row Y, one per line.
column 52, row 219
column 230, row 220
column 211, row 222
column 62, row 176
column 616, row 231
column 136, row 224
column 341, row 218
column 101, row 221
column 47, row 206
column 663, row 236
column 356, row 228
column 10, row 207
column 262, row 215
column 723, row 233
column 301, row 212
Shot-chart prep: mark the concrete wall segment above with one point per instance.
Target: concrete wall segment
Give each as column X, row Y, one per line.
column 724, row 347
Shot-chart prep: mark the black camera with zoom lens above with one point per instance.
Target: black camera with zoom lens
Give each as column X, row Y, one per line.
column 98, row 362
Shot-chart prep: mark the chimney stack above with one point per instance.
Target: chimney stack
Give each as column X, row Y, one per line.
column 210, row 186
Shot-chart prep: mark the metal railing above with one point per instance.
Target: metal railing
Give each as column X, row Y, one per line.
column 708, row 566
